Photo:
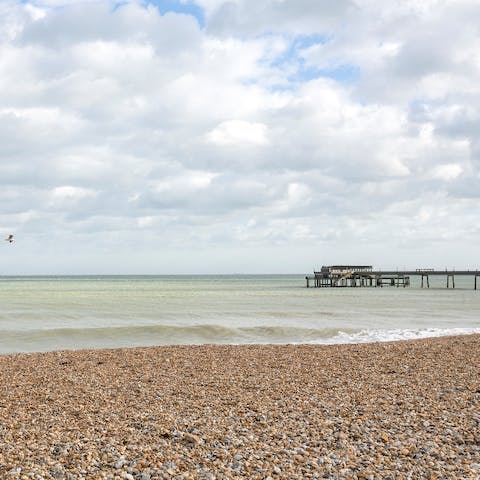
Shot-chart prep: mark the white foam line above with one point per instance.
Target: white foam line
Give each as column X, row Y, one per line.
column 372, row 336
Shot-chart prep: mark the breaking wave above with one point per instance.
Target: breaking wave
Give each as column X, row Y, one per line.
column 121, row 336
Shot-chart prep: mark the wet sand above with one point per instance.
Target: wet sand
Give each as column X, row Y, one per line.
column 379, row 411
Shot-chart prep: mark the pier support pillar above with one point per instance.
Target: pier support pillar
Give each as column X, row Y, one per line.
column 453, row 281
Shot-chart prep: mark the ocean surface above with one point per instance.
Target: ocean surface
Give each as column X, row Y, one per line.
column 56, row 313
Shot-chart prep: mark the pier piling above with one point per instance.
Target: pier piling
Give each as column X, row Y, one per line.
column 424, row 275
column 453, row 280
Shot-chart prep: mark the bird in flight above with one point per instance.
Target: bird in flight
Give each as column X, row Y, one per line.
column 9, row 238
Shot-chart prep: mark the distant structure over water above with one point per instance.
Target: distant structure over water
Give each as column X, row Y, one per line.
column 366, row 276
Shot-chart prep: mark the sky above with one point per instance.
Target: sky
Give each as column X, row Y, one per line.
column 240, row 136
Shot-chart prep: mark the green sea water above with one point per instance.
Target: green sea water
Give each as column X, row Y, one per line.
column 56, row 313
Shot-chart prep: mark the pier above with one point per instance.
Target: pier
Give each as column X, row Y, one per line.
column 366, row 276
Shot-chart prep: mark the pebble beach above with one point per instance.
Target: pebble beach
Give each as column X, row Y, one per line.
column 400, row 410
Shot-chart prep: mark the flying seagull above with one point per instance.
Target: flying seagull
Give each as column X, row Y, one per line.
column 9, row 238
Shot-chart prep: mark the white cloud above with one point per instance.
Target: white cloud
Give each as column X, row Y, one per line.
column 67, row 192
column 448, row 172
column 184, row 182
column 238, row 132
column 277, row 122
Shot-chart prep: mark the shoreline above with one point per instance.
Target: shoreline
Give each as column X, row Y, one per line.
column 366, row 411
column 361, row 337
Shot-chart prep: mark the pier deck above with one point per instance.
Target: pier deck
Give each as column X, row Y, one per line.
column 365, row 276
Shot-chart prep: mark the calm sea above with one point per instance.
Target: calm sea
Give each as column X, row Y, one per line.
column 54, row 313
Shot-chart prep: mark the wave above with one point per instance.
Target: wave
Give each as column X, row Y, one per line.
column 377, row 335
column 204, row 333
column 121, row 336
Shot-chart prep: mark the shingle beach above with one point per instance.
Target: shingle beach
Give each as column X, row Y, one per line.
column 404, row 410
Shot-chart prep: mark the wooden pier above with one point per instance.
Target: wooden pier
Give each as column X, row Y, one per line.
column 366, row 276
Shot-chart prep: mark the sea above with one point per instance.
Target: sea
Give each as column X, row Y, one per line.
column 39, row 314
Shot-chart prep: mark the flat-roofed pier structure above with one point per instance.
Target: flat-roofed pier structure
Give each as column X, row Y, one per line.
column 366, row 276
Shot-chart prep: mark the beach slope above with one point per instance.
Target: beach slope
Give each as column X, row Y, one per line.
column 374, row 411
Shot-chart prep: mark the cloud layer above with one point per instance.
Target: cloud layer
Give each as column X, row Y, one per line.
column 262, row 136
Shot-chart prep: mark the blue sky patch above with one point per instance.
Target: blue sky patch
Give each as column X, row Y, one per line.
column 292, row 62
column 188, row 8
column 342, row 73
column 299, row 43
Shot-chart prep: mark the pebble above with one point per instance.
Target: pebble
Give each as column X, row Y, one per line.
column 190, row 438
column 399, row 410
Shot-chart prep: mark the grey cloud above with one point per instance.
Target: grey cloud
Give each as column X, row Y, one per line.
column 222, row 195
column 154, row 133
column 102, row 21
column 301, row 17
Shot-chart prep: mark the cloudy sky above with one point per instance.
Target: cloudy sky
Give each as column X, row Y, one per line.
column 212, row 136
